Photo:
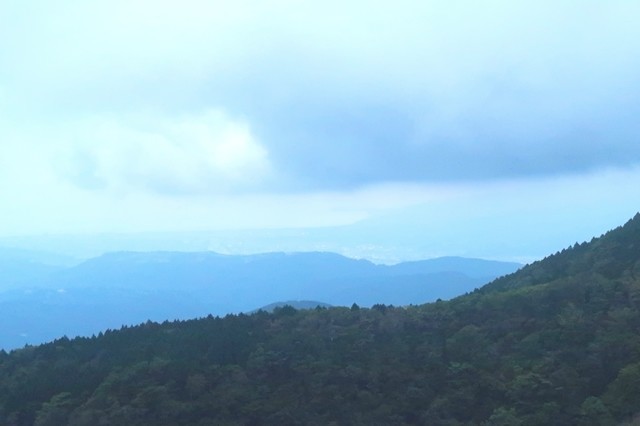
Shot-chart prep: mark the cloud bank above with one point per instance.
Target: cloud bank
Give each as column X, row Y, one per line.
column 209, row 153
column 342, row 95
column 129, row 115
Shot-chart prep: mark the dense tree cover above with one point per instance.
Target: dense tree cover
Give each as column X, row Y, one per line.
column 557, row 343
column 611, row 256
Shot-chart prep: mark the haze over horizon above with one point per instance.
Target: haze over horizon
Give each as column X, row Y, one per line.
column 495, row 129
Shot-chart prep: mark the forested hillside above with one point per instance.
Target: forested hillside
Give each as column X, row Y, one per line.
column 556, row 343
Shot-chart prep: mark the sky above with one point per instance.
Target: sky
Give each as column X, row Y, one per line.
column 498, row 118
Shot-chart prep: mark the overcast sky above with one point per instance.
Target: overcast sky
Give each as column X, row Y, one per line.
column 125, row 115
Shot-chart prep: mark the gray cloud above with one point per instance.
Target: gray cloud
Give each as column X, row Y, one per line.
column 347, row 95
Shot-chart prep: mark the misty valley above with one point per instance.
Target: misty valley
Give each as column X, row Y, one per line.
column 319, row 213
column 555, row 342
column 44, row 298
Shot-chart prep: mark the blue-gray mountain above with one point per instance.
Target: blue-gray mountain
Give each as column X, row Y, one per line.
column 296, row 304
column 132, row 287
column 19, row 267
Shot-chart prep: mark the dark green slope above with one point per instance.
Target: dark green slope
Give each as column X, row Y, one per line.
column 613, row 255
column 557, row 343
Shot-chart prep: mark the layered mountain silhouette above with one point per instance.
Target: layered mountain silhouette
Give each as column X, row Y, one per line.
column 555, row 343
column 296, row 304
column 19, row 267
column 127, row 288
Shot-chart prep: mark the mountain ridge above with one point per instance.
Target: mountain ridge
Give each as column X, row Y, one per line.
column 132, row 287
column 595, row 257
column 519, row 352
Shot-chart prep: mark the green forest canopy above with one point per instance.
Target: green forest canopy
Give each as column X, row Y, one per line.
column 555, row 343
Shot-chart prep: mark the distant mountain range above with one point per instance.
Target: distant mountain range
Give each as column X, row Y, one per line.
column 296, row 304
column 556, row 343
column 47, row 299
column 19, row 267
